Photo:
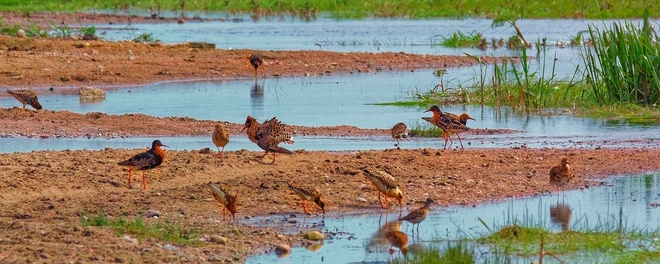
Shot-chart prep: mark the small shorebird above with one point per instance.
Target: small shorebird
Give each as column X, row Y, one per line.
column 448, row 125
column 145, row 161
column 225, row 198
column 398, row 239
column 269, row 135
column 462, row 118
column 220, row 137
column 26, row 97
column 308, row 193
column 399, row 131
column 418, row 215
column 561, row 174
column 386, row 184
column 256, row 60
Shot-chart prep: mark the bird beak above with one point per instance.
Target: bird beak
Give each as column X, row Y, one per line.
column 472, row 119
column 165, row 146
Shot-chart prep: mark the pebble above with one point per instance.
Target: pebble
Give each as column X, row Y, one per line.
column 219, row 239
column 314, row 235
column 151, row 213
column 170, row 247
column 361, row 199
column 130, row 239
column 282, row 250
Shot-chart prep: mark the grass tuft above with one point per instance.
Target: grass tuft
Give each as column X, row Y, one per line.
column 162, row 230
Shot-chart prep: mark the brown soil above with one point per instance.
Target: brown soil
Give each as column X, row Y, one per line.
column 43, row 193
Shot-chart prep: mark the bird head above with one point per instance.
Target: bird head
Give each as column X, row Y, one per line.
column 434, row 109
column 157, row 144
column 465, row 117
column 249, row 122
column 429, row 202
column 564, row 161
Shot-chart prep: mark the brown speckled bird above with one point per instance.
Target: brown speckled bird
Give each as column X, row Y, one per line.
column 26, row 97
column 418, row 215
column 449, row 125
column 398, row 239
column 269, row 135
column 561, row 174
column 399, row 131
column 462, row 118
column 145, row 161
column 308, row 193
column 226, row 199
column 386, row 184
column 220, row 137
column 256, row 60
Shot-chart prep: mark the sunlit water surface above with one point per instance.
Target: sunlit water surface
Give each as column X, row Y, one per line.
column 631, row 201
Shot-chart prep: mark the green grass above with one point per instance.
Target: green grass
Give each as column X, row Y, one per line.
column 593, row 9
column 461, row 40
column 160, row 229
column 421, row 128
column 623, row 64
column 450, row 254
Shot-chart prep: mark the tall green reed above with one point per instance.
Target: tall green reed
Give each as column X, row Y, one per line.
column 622, row 66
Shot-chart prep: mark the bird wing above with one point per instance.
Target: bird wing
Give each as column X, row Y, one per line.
column 143, row 161
column 276, row 130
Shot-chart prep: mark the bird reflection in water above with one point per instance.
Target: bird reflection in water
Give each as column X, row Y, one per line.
column 257, row 97
column 561, row 213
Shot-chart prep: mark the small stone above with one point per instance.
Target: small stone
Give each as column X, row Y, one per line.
column 205, row 151
column 282, row 250
column 361, row 199
column 170, row 247
column 180, row 21
column 279, row 236
column 219, row 239
column 20, row 33
column 292, row 221
column 130, row 239
column 315, row 247
column 151, row 213
column 314, row 235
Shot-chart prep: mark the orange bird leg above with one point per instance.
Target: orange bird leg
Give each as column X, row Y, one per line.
column 387, row 204
column 129, row 177
column 144, row 181
column 273, row 162
column 459, row 140
column 379, row 201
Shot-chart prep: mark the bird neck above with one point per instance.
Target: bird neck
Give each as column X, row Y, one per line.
column 159, row 152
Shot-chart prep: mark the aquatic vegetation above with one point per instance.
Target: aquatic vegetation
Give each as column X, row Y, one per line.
column 459, row 253
column 161, row 229
column 459, row 39
column 421, row 128
column 622, row 67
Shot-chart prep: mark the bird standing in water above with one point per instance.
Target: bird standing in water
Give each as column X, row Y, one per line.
column 449, row 125
column 256, row 60
column 145, row 161
column 26, row 97
column 418, row 215
column 399, row 131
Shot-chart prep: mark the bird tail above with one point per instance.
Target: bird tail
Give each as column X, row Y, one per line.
column 279, row 149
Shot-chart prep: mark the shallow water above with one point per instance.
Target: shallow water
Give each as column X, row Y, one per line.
column 327, row 101
column 626, row 199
